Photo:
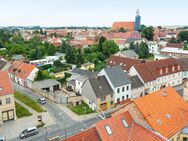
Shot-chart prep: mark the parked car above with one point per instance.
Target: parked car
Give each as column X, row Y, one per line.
column 2, row 138
column 41, row 101
column 29, row 132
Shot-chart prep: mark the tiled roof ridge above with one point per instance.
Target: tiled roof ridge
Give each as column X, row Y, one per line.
column 150, row 70
column 131, row 130
column 182, row 116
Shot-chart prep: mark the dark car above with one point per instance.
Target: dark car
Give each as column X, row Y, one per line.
column 41, row 101
column 29, row 132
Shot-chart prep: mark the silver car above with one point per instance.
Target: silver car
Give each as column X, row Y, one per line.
column 29, row 132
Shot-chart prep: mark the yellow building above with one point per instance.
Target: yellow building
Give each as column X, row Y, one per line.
column 88, row 66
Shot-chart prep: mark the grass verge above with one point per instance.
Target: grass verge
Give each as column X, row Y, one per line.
column 21, row 111
column 29, row 102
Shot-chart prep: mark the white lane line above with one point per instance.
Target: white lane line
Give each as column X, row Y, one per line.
column 83, row 123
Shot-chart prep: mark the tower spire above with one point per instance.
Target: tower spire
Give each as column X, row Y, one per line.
column 138, row 12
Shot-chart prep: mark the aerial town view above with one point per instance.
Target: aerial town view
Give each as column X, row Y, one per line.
column 93, row 70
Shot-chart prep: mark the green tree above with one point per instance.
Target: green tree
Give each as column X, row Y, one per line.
column 58, row 65
column 122, row 30
column 101, row 41
column 79, row 58
column 147, row 33
column 109, row 47
column 183, row 36
column 17, row 49
column 51, row 50
column 70, row 55
column 63, row 47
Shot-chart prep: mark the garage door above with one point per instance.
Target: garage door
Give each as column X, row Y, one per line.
column 8, row 115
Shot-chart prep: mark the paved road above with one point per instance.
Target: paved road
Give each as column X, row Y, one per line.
column 72, row 126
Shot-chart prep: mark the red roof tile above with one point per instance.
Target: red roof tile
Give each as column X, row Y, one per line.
column 164, row 110
column 120, row 132
column 174, row 45
column 125, row 25
column 87, row 135
column 5, row 84
column 126, row 63
column 151, row 70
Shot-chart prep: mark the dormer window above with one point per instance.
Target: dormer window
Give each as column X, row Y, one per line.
column 166, row 69
column 161, row 71
column 124, row 122
column 173, row 68
column 108, row 130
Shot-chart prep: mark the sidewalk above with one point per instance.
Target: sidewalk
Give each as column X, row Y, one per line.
column 76, row 117
column 12, row 129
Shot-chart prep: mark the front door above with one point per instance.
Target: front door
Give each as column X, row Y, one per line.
column 8, row 115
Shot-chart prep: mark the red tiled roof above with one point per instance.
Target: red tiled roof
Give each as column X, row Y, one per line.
column 151, row 70
column 20, row 69
column 87, row 135
column 125, row 25
column 134, row 131
column 24, row 70
column 165, row 111
column 120, row 42
column 5, row 84
column 174, row 45
column 135, row 35
column 126, row 63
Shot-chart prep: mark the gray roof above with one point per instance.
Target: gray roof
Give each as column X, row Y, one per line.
column 2, row 64
column 129, row 53
column 71, row 82
column 100, row 86
column 117, row 76
column 82, row 72
column 46, row 83
column 135, row 82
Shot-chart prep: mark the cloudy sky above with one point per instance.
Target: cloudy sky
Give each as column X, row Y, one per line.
column 91, row 12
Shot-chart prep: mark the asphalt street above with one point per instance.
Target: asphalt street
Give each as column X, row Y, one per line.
column 64, row 125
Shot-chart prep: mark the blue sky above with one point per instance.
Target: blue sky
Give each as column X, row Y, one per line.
column 91, row 12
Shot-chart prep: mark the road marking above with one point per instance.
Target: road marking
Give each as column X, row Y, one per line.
column 83, row 123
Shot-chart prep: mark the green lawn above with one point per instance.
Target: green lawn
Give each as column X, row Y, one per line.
column 21, row 111
column 150, row 58
column 80, row 109
column 29, row 102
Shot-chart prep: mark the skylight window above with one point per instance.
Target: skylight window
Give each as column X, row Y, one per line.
column 124, row 122
column 1, row 88
column 108, row 130
column 159, row 121
column 168, row 116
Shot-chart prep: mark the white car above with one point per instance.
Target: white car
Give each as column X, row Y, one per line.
column 2, row 139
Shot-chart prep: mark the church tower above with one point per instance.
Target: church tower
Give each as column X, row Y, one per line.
column 137, row 20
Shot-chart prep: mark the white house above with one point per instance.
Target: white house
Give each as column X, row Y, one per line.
column 119, row 82
column 158, row 74
column 153, row 47
column 23, row 73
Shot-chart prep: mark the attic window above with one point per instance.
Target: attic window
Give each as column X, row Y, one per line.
column 124, row 65
column 164, row 94
column 108, row 130
column 159, row 121
column 124, row 122
column 111, row 62
column 168, row 116
column 121, row 64
column 1, row 88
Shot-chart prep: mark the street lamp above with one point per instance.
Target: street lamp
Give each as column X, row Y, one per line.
column 63, row 124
